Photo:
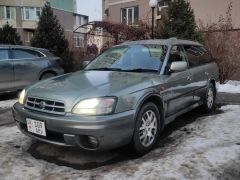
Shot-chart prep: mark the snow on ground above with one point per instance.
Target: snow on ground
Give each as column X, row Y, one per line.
column 208, row 148
column 7, row 103
column 230, row 87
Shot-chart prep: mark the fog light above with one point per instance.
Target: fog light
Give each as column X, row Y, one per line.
column 93, row 141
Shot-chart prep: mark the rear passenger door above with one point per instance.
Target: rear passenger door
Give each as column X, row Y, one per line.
column 6, row 70
column 27, row 65
column 198, row 59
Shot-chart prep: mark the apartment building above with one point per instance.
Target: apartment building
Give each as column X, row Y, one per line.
column 132, row 11
column 24, row 16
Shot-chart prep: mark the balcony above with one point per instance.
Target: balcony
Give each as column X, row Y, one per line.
column 11, row 22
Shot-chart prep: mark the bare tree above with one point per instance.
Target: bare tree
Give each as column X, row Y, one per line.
column 223, row 43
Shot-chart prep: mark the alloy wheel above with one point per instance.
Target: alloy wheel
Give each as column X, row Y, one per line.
column 148, row 128
column 210, row 98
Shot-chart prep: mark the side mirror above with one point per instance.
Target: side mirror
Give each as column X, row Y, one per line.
column 178, row 66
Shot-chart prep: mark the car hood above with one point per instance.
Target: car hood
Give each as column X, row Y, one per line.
column 71, row 88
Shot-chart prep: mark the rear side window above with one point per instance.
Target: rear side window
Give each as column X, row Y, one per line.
column 25, row 54
column 3, row 54
column 197, row 55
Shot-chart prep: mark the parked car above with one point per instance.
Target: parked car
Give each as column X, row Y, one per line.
column 126, row 95
column 22, row 65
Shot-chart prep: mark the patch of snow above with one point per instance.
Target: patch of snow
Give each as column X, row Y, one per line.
column 210, row 151
column 7, row 103
column 230, row 87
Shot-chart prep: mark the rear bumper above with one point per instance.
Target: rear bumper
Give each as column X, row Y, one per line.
column 71, row 130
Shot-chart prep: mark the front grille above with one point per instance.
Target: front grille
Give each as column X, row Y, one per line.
column 45, row 105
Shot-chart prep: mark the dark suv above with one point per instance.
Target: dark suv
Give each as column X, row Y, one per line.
column 21, row 65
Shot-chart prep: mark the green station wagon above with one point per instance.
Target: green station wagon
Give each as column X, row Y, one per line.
column 126, row 95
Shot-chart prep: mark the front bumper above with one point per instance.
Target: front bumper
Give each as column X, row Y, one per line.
column 72, row 130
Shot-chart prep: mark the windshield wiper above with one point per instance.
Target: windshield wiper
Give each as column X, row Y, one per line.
column 141, row 70
column 104, row 69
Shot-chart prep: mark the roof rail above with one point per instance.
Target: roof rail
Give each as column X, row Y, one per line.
column 172, row 39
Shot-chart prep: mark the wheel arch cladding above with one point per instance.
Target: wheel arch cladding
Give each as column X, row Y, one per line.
column 157, row 100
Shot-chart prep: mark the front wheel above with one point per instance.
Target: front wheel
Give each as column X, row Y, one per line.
column 147, row 128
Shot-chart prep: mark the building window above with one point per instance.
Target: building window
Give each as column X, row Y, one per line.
column 162, row 7
column 129, row 15
column 79, row 40
column 81, row 20
column 31, row 13
column 7, row 12
column 29, row 35
column 164, row 3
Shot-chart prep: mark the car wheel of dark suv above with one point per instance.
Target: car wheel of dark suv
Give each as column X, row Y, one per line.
column 147, row 128
column 209, row 100
column 46, row 76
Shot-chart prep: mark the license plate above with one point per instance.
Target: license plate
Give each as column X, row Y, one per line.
column 36, row 127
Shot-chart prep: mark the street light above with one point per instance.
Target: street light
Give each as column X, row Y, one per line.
column 153, row 4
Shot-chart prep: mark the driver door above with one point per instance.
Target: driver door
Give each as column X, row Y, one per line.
column 178, row 84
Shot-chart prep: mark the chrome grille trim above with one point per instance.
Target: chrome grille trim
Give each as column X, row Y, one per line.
column 45, row 105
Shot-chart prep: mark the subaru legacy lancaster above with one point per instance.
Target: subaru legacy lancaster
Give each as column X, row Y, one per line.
column 126, row 95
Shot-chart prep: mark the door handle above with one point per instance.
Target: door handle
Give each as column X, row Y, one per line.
column 189, row 78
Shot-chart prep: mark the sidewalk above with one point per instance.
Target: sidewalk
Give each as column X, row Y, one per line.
column 6, row 117
column 228, row 98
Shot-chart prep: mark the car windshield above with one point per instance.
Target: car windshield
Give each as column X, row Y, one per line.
column 135, row 58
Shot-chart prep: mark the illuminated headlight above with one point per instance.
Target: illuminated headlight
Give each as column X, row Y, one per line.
column 95, row 106
column 22, row 96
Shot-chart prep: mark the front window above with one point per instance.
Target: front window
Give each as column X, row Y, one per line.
column 129, row 15
column 7, row 12
column 136, row 58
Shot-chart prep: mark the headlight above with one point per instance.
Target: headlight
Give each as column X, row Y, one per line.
column 95, row 106
column 22, row 96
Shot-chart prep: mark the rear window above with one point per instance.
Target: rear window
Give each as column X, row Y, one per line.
column 197, row 55
column 25, row 54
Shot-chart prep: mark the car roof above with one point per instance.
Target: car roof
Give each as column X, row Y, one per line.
column 22, row 47
column 170, row 41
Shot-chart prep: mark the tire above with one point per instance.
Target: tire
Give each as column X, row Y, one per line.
column 147, row 128
column 46, row 76
column 209, row 99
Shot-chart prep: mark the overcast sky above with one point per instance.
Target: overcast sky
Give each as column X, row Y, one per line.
column 91, row 8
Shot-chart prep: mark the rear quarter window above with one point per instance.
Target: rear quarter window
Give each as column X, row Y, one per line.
column 25, row 54
column 197, row 55
column 4, row 54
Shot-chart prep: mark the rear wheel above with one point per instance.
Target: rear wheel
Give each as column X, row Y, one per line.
column 209, row 100
column 47, row 75
column 147, row 128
